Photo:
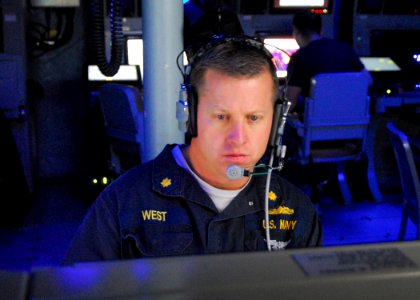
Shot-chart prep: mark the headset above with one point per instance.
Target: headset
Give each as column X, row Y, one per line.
column 186, row 114
column 188, row 98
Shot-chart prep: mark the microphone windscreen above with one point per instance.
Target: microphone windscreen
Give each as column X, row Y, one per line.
column 234, row 172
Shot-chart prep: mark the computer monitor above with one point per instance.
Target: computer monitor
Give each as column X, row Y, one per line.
column 300, row 3
column 135, row 52
column 375, row 271
column 282, row 48
column 317, row 6
column 379, row 64
column 292, row 6
column 128, row 73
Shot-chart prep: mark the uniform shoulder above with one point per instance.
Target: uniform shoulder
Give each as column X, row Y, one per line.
column 289, row 188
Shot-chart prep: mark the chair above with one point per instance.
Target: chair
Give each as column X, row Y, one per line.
column 336, row 118
column 122, row 109
column 410, row 183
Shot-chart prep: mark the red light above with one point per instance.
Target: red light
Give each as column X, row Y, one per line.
column 320, row 11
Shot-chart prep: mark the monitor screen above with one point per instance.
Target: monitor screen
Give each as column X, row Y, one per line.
column 282, row 49
column 300, row 3
column 125, row 73
column 135, row 52
column 318, row 6
column 379, row 64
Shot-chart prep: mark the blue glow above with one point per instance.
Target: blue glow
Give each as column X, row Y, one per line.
column 142, row 270
column 185, row 1
column 83, row 278
column 416, row 58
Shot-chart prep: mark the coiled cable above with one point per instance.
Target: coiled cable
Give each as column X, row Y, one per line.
column 98, row 39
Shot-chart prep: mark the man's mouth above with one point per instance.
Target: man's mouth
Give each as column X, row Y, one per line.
column 236, row 157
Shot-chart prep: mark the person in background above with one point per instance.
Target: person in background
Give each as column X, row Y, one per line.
column 182, row 202
column 316, row 55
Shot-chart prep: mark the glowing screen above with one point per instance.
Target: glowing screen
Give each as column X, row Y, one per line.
column 282, row 49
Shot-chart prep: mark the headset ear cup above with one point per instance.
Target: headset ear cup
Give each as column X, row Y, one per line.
column 192, row 111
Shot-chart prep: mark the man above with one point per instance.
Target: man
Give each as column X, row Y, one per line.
column 182, row 202
column 316, row 55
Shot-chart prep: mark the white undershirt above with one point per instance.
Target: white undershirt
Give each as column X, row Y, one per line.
column 221, row 198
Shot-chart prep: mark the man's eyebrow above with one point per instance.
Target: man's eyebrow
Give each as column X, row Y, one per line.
column 217, row 107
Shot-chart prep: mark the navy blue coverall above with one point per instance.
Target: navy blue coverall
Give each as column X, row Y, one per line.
column 159, row 209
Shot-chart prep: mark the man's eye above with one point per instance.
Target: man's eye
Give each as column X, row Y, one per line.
column 253, row 118
column 221, row 117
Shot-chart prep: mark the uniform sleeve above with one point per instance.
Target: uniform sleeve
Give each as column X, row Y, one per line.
column 314, row 237
column 98, row 236
column 308, row 231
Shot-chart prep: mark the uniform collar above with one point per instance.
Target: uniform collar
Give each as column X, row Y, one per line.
column 170, row 180
column 167, row 177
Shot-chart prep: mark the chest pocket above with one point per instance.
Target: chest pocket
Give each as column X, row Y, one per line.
column 162, row 239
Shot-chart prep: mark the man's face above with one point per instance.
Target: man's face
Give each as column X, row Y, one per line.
column 234, row 119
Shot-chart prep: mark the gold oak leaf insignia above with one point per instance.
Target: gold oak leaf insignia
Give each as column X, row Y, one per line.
column 272, row 196
column 166, row 182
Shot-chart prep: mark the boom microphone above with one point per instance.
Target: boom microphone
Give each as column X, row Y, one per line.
column 234, row 172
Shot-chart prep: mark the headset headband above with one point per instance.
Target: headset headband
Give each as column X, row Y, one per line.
column 187, row 104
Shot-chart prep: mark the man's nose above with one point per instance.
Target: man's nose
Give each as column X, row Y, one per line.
column 237, row 132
